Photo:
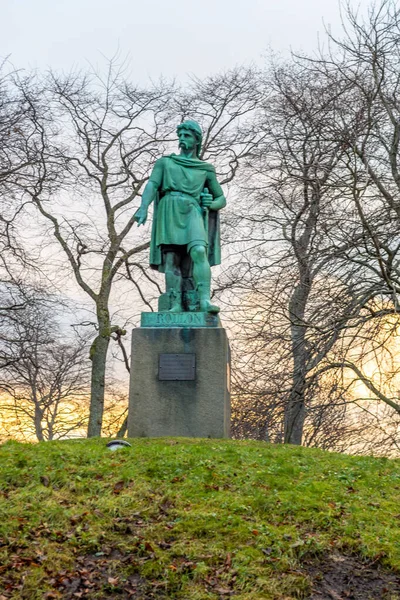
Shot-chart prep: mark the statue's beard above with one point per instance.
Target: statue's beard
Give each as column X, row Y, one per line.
column 184, row 146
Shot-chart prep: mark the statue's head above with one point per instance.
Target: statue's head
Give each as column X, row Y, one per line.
column 194, row 128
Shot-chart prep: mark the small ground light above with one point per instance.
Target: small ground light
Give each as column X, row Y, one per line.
column 118, row 444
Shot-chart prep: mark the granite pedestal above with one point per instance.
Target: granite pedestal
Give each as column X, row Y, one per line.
column 180, row 377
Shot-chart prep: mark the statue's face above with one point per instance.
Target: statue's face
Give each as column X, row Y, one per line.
column 187, row 140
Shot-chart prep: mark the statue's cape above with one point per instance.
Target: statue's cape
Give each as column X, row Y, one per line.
column 193, row 163
column 214, row 238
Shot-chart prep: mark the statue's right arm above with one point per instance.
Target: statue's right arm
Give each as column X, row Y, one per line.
column 149, row 193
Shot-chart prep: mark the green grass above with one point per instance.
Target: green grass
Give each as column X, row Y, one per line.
column 187, row 519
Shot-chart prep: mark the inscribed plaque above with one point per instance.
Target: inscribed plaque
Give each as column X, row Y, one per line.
column 177, row 367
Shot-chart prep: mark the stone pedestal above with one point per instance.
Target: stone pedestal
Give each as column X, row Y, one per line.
column 180, row 377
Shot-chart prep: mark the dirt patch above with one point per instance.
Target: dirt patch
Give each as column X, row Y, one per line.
column 339, row 577
column 94, row 575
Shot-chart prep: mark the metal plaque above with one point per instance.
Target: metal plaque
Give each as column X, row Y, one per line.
column 177, row 367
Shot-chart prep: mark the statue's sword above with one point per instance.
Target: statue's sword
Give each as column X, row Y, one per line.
column 205, row 217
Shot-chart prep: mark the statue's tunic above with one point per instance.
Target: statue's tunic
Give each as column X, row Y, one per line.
column 178, row 216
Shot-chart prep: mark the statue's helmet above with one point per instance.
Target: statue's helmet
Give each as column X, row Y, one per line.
column 195, row 128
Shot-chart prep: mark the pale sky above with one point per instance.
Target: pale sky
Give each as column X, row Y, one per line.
column 174, row 38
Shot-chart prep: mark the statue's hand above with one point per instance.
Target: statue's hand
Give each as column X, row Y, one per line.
column 141, row 216
column 206, row 198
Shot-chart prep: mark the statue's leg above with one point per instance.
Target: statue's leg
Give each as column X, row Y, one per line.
column 173, row 280
column 202, row 277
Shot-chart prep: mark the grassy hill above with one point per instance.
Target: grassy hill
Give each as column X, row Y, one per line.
column 196, row 519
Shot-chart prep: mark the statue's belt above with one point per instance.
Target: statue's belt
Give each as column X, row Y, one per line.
column 181, row 195
column 184, row 196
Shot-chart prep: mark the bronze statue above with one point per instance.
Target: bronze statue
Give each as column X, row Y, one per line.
column 185, row 239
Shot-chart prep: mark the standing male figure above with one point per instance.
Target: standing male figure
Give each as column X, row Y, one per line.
column 185, row 230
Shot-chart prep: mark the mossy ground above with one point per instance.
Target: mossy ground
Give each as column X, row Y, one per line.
column 187, row 519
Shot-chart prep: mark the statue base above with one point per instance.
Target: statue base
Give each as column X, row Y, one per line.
column 180, row 377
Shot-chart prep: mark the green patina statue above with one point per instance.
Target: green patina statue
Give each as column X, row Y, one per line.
column 185, row 232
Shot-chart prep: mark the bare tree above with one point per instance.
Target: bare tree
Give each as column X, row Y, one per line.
column 97, row 138
column 362, row 66
column 44, row 380
column 301, row 292
column 326, row 197
column 17, row 158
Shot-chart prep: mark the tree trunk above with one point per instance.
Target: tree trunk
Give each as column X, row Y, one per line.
column 98, row 355
column 295, row 407
column 123, row 429
column 38, row 423
column 295, row 412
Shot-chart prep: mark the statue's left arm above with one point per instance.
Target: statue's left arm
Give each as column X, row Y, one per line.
column 219, row 200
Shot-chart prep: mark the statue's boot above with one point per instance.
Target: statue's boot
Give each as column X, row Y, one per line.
column 204, row 297
column 175, row 301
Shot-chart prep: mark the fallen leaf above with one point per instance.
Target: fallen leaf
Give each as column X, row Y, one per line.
column 45, row 480
column 162, row 545
column 118, row 487
column 176, row 479
column 188, row 566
